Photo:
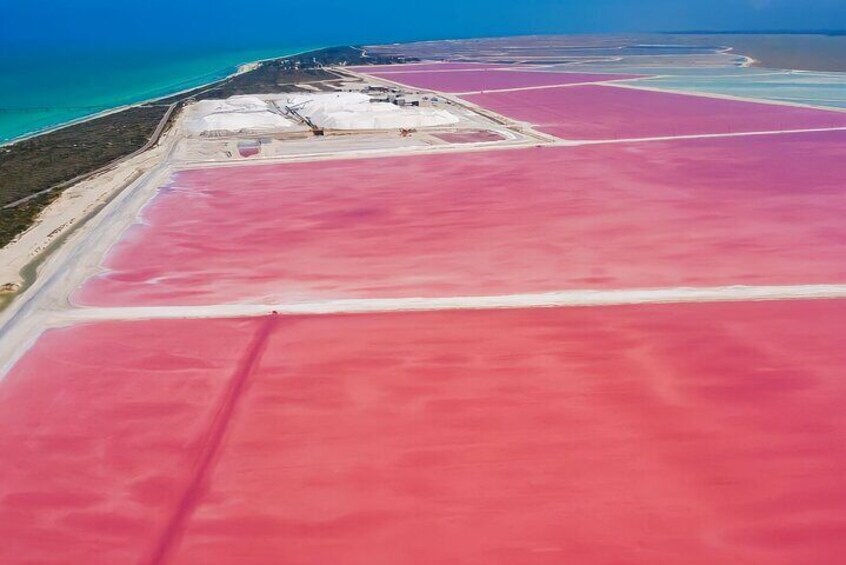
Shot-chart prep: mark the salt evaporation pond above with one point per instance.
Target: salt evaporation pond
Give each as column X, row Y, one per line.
column 594, row 112
column 706, row 212
column 350, row 438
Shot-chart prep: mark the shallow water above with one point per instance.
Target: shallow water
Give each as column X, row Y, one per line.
column 816, row 89
column 723, row 73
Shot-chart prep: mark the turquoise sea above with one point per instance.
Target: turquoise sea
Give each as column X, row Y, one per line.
column 40, row 90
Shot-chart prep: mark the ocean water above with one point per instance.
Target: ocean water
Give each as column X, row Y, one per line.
column 43, row 89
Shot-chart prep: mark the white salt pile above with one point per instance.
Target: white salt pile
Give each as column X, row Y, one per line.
column 239, row 114
column 355, row 111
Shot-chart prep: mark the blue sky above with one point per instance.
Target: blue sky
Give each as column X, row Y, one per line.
column 268, row 22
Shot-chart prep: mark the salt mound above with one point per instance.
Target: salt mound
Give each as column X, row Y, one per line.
column 239, row 114
column 234, row 104
column 236, row 122
column 247, row 102
column 355, row 111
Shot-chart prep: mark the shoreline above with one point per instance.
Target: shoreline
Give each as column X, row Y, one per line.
column 239, row 69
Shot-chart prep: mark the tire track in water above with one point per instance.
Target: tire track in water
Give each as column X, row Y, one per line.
column 211, row 444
